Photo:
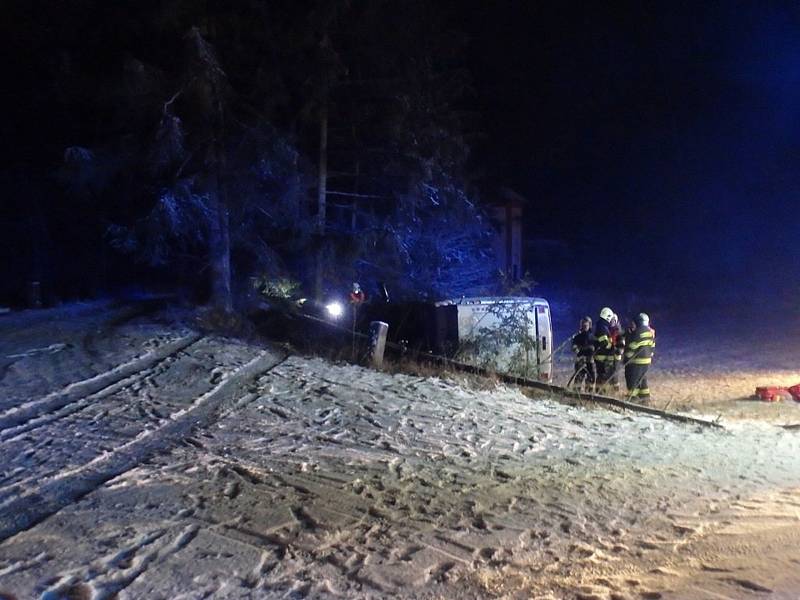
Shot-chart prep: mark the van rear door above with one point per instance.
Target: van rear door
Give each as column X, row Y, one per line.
column 544, row 341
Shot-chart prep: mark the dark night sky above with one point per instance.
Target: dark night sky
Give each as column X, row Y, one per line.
column 661, row 140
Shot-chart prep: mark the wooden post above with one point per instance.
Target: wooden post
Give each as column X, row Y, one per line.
column 377, row 343
column 355, row 320
column 35, row 294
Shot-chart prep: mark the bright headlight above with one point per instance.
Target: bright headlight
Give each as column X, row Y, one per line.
column 335, row 309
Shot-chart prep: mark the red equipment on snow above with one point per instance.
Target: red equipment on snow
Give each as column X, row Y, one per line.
column 770, row 394
column 777, row 394
column 795, row 392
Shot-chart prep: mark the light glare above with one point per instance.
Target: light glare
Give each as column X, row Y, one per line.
column 334, row 309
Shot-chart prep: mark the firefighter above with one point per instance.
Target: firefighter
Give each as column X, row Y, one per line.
column 603, row 349
column 583, row 347
column 639, row 349
column 357, row 298
column 357, row 295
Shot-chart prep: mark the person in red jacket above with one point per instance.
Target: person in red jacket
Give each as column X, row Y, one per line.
column 603, row 349
column 618, row 345
column 357, row 295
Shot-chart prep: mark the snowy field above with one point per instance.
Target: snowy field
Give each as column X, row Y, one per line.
column 140, row 459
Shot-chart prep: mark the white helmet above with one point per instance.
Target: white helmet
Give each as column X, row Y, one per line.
column 643, row 319
column 607, row 314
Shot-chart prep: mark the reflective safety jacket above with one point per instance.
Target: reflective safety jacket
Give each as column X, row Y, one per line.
column 603, row 346
column 640, row 345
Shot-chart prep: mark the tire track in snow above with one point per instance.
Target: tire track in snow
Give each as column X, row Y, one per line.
column 17, row 416
column 118, row 418
column 13, row 433
column 53, row 494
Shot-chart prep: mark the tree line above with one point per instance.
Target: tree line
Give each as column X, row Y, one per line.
column 322, row 141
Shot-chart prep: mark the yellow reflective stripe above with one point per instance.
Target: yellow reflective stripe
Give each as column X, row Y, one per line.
column 605, row 340
column 645, row 334
column 604, row 357
column 642, row 344
column 640, row 361
column 644, row 391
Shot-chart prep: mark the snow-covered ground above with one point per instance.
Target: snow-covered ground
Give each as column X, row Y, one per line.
column 140, row 459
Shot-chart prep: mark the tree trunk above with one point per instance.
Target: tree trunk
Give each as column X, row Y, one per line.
column 356, row 190
column 40, row 249
column 322, row 192
column 220, row 238
column 322, row 189
column 220, row 251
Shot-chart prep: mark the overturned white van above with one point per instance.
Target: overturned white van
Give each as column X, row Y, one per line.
column 506, row 334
